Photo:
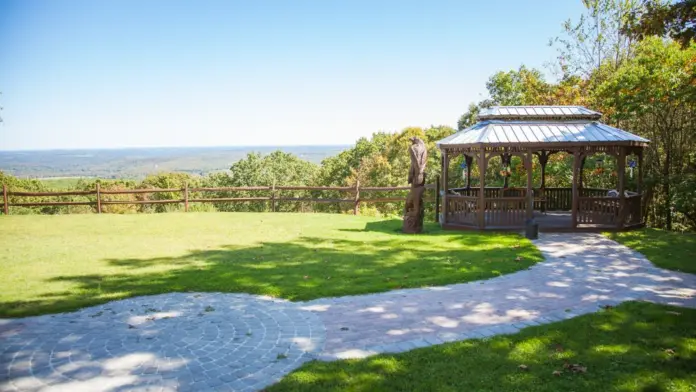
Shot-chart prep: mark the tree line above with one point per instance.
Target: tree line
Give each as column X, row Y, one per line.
column 633, row 60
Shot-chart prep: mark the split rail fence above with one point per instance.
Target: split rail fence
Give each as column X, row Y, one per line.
column 273, row 198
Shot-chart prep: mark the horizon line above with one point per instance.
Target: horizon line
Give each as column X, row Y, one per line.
column 172, row 147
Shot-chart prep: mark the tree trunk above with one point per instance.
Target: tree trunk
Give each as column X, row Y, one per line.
column 666, row 188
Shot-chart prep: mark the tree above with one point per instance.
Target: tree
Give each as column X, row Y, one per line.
column 523, row 86
column 518, row 87
column 657, row 18
column 167, row 181
column 277, row 168
column 596, row 38
column 654, row 94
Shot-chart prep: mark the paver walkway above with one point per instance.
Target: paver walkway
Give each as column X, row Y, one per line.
column 581, row 273
column 168, row 342
column 242, row 342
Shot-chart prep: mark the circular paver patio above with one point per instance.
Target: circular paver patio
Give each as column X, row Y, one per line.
column 165, row 342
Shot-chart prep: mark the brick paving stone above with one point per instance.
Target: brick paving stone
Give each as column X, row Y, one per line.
column 174, row 344
column 581, row 273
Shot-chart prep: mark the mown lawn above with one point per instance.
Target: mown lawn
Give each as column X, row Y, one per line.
column 60, row 263
column 666, row 249
column 634, row 347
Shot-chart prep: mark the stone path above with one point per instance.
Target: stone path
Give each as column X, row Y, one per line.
column 241, row 342
column 581, row 273
column 196, row 342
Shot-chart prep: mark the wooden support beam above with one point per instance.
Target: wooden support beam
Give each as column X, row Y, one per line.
column 577, row 159
column 6, row 206
column 621, row 171
column 356, row 206
column 186, row 197
column 530, row 189
column 273, row 197
column 469, row 161
column 482, row 189
column 99, row 209
column 437, row 199
column 445, row 169
column 640, row 171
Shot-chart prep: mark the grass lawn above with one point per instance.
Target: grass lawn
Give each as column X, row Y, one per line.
column 634, row 347
column 666, row 249
column 60, row 263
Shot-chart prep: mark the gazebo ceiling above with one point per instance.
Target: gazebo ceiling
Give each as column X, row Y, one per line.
column 558, row 125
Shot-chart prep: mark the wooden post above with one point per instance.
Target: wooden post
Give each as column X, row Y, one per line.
column 186, row 197
column 445, row 167
column 543, row 160
column 5, row 199
column 621, row 171
column 530, row 191
column 640, row 172
column 469, row 161
column 640, row 184
column 437, row 198
column 482, row 190
column 273, row 197
column 98, row 199
column 582, row 170
column 577, row 158
column 356, row 206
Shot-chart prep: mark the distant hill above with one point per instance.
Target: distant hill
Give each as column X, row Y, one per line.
column 139, row 162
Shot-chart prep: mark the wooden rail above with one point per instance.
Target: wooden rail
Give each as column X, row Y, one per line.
column 98, row 200
column 462, row 210
column 599, row 210
column 546, row 199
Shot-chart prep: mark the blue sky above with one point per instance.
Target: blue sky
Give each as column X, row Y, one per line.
column 109, row 74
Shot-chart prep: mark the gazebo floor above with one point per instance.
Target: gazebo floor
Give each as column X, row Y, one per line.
column 554, row 219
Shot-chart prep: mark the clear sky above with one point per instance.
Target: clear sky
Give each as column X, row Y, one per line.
column 108, row 74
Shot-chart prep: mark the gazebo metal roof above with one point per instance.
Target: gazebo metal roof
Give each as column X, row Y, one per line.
column 538, row 112
column 561, row 125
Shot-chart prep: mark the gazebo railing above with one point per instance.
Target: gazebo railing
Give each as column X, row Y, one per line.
column 462, row 210
column 506, row 211
column 598, row 210
column 547, row 199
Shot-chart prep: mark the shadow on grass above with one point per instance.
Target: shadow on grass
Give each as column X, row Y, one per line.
column 634, row 347
column 302, row 269
column 395, row 226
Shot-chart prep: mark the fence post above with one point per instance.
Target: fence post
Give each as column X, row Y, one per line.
column 273, row 197
column 437, row 199
column 4, row 198
column 356, row 207
column 186, row 197
column 98, row 199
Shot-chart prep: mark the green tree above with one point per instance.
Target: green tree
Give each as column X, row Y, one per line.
column 659, row 18
column 654, row 94
column 167, row 181
column 277, row 168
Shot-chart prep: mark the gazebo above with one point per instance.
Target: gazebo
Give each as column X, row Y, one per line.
column 540, row 131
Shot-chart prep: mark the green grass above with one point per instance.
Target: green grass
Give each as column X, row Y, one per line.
column 60, row 263
column 634, row 347
column 666, row 249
